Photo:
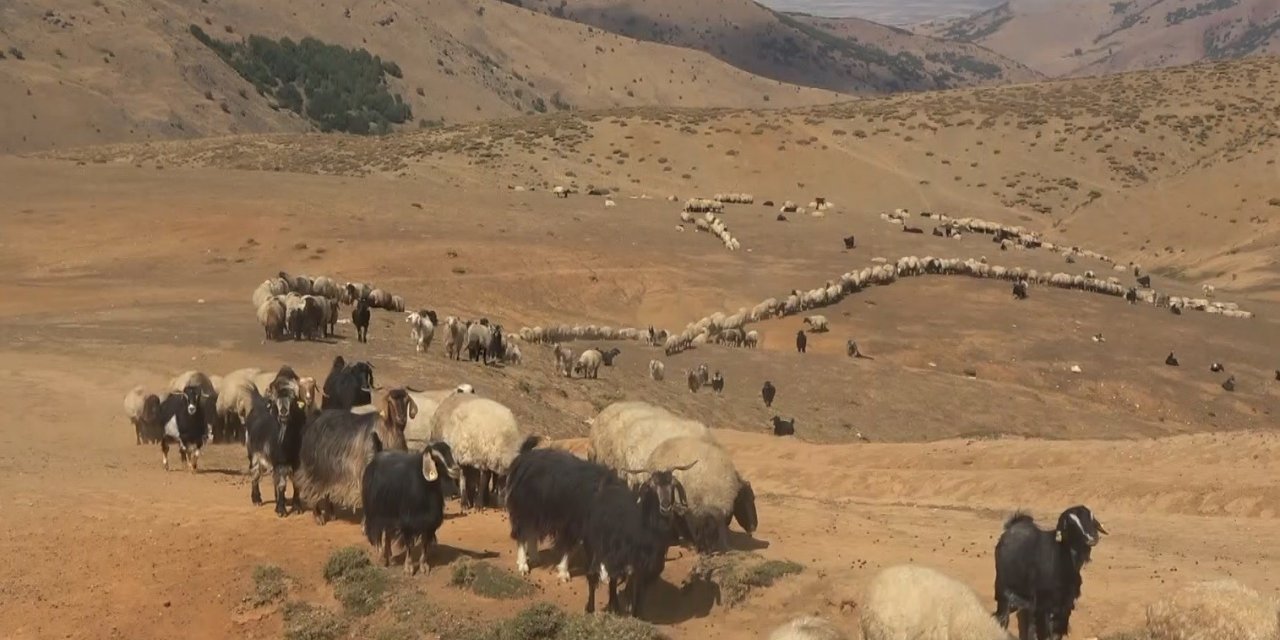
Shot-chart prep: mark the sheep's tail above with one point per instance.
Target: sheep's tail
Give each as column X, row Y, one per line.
column 530, row 444
column 1017, row 518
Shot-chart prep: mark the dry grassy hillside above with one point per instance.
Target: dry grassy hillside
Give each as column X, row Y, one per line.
column 1083, row 156
column 847, row 55
column 79, row 72
column 129, row 263
column 1091, row 37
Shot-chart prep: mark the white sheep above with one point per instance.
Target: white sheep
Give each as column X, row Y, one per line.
column 560, row 192
column 271, row 315
column 657, row 370
column 417, row 429
column 817, row 324
column 484, row 436
column 421, row 330
column 808, row 628
column 512, row 354
column 624, row 434
column 609, row 204
column 713, row 489
column 1219, row 610
column 908, row 602
column 588, row 365
column 143, row 410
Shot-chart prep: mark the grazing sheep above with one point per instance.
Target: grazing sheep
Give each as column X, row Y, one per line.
column 802, row 341
column 588, row 365
column 143, row 410
column 816, row 324
column 1038, row 571
column 421, row 329
column 402, row 496
column 658, row 371
column 1171, row 360
column 454, row 337
column 624, row 434
column 784, row 427
column 1220, row 610
column 713, row 490
column 485, row 439
column 808, row 628
column 271, row 314
column 751, row 340
column 907, row 602
column 338, row 444
column 767, row 393
column 380, row 299
column 1229, row 384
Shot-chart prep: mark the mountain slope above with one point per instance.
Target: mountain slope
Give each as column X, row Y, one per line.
column 1092, row 37
column 92, row 71
column 847, row 55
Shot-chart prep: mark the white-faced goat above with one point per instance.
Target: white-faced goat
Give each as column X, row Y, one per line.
column 402, row 495
column 273, row 440
column 627, row 537
column 338, row 444
column 549, row 495
column 1038, row 571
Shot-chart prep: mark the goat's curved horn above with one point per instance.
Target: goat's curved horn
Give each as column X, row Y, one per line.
column 1101, row 529
column 684, row 467
column 409, row 388
column 636, row 471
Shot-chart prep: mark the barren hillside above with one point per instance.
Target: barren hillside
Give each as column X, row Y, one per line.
column 847, row 55
column 1091, row 37
column 78, row 72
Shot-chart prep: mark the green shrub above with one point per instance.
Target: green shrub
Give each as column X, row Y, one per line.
column 344, row 561
column 338, row 89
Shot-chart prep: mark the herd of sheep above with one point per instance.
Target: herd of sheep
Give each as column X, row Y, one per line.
column 305, row 307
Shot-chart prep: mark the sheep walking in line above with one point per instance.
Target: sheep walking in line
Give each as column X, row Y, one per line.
column 816, row 324
column 907, row 602
column 422, row 328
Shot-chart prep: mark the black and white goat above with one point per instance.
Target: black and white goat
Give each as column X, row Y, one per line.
column 627, row 536
column 1038, row 571
column 273, row 440
column 402, row 496
column 183, row 415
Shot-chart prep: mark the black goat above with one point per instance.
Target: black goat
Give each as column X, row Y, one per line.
column 802, row 341
column 1144, row 281
column 403, row 495
column 496, row 350
column 609, row 355
column 338, row 444
column 273, row 440
column 1038, row 572
column 348, row 385
column 717, row 383
column 183, row 417
column 784, row 427
column 360, row 318
column 910, row 229
column 549, row 494
column 850, row 242
column 1131, row 296
column 1020, row 289
column 1171, row 360
column 627, row 538
column 767, row 392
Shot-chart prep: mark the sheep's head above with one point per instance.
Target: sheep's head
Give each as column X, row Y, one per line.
column 1079, row 528
column 464, row 388
column 666, row 487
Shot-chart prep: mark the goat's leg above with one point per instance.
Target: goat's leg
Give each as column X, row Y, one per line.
column 636, row 589
column 486, row 477
column 593, row 581
column 281, row 481
column 1002, row 609
column 297, row 500
column 386, row 548
column 410, row 541
column 1042, row 623
column 614, row 606
column 164, row 452
column 1025, row 630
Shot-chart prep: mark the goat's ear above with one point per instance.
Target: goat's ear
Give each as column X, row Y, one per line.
column 429, row 470
column 413, row 407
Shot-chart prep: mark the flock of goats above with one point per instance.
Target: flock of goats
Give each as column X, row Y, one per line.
column 643, row 480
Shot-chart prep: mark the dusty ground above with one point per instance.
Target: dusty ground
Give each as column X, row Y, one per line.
column 121, row 275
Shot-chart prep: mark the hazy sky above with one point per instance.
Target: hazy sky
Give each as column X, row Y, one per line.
column 896, row 12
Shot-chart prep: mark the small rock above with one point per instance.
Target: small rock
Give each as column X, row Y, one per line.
column 1075, row 368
